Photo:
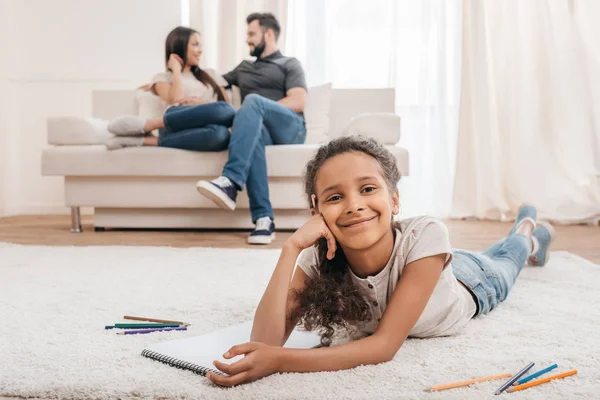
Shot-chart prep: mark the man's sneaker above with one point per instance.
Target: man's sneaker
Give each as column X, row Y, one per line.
column 221, row 190
column 264, row 233
column 543, row 236
column 525, row 211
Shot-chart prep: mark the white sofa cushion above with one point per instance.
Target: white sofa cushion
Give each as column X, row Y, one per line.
column 77, row 131
column 316, row 113
column 282, row 161
column 148, row 104
column 385, row 127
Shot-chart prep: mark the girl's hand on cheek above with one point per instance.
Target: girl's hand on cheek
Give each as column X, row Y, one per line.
column 313, row 230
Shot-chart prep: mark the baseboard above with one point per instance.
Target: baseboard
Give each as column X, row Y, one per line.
column 185, row 218
column 49, row 209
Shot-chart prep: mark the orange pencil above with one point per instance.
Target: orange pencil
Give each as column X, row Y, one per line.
column 164, row 321
column 540, row 381
column 466, row 383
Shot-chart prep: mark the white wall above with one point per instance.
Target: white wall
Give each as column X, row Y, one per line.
column 58, row 52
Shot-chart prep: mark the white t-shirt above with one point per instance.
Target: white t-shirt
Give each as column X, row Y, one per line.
column 451, row 305
column 192, row 87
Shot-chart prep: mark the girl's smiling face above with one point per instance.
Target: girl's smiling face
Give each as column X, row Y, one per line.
column 354, row 199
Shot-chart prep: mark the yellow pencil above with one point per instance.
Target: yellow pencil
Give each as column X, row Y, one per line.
column 466, row 383
column 540, row 381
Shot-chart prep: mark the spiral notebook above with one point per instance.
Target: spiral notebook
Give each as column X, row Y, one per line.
column 197, row 353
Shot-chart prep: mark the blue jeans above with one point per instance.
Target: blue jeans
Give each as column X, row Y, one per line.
column 258, row 123
column 199, row 128
column 491, row 274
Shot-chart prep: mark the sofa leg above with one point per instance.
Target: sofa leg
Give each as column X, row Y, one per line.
column 76, row 220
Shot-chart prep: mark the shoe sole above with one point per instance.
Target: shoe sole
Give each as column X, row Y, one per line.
column 261, row 239
column 550, row 229
column 217, row 196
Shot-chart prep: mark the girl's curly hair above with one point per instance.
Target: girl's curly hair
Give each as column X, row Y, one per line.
column 331, row 300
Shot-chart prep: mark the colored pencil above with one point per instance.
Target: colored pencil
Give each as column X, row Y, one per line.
column 514, row 378
column 164, row 321
column 141, row 326
column 466, row 383
column 535, row 375
column 540, row 381
column 141, row 331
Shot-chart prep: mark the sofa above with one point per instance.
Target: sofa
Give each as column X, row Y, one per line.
column 152, row 187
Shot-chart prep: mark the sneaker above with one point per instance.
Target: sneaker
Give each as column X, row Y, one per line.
column 543, row 236
column 525, row 211
column 221, row 190
column 264, row 233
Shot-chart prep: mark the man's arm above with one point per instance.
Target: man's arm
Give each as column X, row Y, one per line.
column 232, row 77
column 295, row 84
column 295, row 99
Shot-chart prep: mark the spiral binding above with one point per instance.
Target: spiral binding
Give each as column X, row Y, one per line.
column 174, row 362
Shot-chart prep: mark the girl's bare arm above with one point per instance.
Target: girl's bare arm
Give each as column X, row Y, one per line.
column 271, row 323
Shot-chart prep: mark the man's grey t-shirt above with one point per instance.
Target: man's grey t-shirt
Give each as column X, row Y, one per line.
column 270, row 76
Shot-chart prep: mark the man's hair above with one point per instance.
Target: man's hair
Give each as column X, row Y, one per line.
column 266, row 21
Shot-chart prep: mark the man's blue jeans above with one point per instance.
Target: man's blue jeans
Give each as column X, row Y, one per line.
column 204, row 127
column 258, row 123
column 491, row 274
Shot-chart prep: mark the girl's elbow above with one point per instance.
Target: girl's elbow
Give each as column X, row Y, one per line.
column 385, row 350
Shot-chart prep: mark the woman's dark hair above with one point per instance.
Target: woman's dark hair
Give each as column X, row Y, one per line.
column 177, row 43
column 266, row 21
column 331, row 300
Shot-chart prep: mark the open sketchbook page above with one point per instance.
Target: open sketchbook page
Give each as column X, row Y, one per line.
column 204, row 349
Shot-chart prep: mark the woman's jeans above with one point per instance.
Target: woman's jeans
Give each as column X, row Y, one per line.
column 203, row 127
column 490, row 275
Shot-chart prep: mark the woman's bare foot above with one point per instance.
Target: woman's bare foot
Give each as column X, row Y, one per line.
column 154, row 123
column 134, row 125
column 150, row 140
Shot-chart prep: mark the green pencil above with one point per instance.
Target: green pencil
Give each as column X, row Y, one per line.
column 141, row 326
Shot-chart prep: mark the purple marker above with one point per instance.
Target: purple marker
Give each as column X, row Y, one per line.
column 140, row 331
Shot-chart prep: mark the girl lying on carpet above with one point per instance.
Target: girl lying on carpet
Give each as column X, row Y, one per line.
column 362, row 271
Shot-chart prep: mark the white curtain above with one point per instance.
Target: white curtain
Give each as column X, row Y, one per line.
column 222, row 26
column 412, row 46
column 530, row 110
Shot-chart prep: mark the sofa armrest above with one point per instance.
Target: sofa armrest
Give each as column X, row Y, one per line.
column 77, row 131
column 384, row 127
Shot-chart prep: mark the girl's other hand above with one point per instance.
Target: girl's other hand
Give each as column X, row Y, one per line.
column 175, row 63
column 313, row 230
column 259, row 360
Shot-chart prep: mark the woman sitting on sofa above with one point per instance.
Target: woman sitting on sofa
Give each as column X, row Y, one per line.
column 198, row 113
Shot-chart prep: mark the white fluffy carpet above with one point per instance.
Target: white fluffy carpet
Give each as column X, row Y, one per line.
column 55, row 301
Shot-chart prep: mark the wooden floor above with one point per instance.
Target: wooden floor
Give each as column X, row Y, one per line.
column 54, row 230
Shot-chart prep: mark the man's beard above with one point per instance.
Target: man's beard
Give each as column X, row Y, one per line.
column 259, row 49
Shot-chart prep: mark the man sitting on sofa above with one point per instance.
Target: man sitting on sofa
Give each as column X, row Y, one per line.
column 273, row 90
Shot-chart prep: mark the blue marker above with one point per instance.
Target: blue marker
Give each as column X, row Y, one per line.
column 536, row 374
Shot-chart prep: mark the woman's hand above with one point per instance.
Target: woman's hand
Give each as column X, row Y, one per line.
column 188, row 101
column 191, row 101
column 310, row 232
column 175, row 63
column 259, row 360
